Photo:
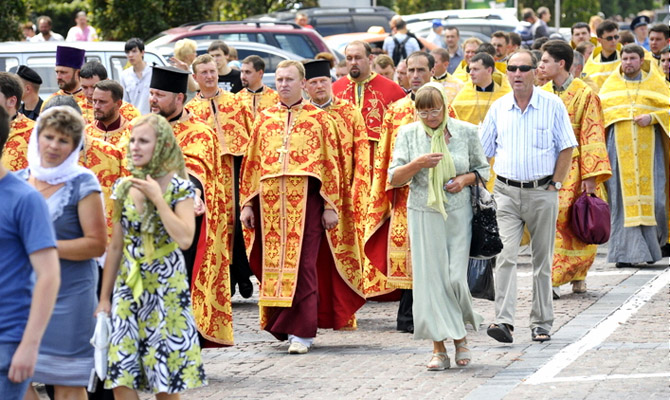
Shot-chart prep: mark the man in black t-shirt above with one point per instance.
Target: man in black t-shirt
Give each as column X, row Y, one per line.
column 229, row 79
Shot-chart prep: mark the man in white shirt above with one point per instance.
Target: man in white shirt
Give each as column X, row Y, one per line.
column 401, row 38
column 528, row 131
column 136, row 80
column 45, row 35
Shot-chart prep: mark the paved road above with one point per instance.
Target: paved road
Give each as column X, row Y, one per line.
column 610, row 343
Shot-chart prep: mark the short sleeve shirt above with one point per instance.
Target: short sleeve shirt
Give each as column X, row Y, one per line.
column 25, row 228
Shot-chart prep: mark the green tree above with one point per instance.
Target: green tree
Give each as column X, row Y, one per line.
column 123, row 19
column 578, row 11
column 235, row 10
column 12, row 14
column 405, row 7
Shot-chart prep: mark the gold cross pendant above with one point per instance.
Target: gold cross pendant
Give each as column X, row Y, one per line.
column 282, row 151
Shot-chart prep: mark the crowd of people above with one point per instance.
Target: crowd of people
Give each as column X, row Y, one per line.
column 153, row 198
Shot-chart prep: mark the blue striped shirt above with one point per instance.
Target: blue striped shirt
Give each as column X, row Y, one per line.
column 526, row 144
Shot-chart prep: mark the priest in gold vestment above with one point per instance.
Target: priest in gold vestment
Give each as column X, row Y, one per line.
column 14, row 154
column 636, row 106
column 255, row 95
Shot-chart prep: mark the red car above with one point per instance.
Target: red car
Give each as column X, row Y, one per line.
column 284, row 35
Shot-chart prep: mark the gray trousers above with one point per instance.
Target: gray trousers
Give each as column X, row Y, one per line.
column 537, row 209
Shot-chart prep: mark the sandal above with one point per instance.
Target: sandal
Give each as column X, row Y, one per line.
column 539, row 334
column 463, row 355
column 501, row 332
column 439, row 362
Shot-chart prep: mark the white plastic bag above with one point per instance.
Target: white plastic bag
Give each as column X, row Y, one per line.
column 100, row 340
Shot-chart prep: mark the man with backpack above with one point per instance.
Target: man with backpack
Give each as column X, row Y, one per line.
column 401, row 44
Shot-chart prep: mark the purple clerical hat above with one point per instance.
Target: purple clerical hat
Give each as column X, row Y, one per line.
column 69, row 57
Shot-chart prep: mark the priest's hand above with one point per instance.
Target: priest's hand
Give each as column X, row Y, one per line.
column 589, row 185
column 643, row 120
column 247, row 217
column 329, row 219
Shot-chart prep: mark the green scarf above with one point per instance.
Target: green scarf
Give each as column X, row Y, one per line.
column 445, row 169
column 167, row 158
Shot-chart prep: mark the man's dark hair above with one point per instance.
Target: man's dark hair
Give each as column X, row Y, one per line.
column 93, row 68
column 515, row 38
column 486, row 59
column 537, row 44
column 579, row 25
column 528, row 14
column 666, row 49
column 453, row 28
column 501, row 34
column 4, row 128
column 134, row 43
column 366, row 46
column 400, row 24
column 114, row 87
column 219, row 45
column 606, row 26
column 430, row 58
column 662, row 28
column 583, row 47
column 541, row 11
column 10, row 86
column 486, row 48
column 633, row 48
column 626, row 37
column 559, row 50
column 45, row 18
column 256, row 61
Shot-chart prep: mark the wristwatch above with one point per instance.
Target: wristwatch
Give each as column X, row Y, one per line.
column 557, row 185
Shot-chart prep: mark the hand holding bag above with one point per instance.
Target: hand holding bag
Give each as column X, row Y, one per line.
column 590, row 219
column 485, row 242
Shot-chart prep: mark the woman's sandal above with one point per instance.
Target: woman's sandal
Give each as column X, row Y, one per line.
column 439, row 362
column 463, row 355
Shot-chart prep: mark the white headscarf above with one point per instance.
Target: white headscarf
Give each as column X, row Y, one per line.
column 69, row 168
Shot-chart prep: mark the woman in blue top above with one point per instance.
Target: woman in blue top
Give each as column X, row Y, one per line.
column 435, row 157
column 75, row 204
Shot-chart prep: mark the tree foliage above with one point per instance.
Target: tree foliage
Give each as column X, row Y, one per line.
column 578, row 11
column 404, row 7
column 227, row 10
column 12, row 14
column 123, row 19
column 626, row 7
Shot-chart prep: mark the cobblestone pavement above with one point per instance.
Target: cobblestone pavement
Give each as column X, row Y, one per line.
column 609, row 343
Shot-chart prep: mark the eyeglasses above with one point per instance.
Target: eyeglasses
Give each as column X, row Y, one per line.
column 522, row 68
column 432, row 113
column 610, row 38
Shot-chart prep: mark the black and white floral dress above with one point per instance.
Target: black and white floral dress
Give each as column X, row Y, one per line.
column 154, row 343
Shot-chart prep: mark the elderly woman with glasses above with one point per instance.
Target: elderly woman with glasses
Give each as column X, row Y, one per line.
column 436, row 157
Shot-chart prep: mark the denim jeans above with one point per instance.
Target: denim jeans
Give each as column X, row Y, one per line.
column 8, row 389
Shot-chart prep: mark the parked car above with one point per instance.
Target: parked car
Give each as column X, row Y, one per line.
column 504, row 14
column 284, row 35
column 270, row 54
column 42, row 58
column 376, row 40
column 479, row 27
column 337, row 20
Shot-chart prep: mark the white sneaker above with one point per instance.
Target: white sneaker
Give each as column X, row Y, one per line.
column 297, row 348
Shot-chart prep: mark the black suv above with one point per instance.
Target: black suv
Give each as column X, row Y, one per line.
column 335, row 20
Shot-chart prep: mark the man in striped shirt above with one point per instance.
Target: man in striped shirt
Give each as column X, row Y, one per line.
column 528, row 132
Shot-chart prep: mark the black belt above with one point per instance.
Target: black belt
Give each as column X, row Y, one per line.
column 524, row 185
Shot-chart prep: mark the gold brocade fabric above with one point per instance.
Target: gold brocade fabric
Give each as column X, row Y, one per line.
column 623, row 100
column 572, row 257
column 257, row 102
column 232, row 121
column 347, row 237
column 452, row 86
column 127, row 111
column 105, row 161
column 275, row 171
column 461, row 72
column 597, row 70
column 388, row 205
column 15, row 152
column 210, row 289
column 79, row 97
column 118, row 137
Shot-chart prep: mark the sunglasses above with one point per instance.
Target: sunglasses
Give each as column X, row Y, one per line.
column 432, row 113
column 522, row 68
column 610, row 38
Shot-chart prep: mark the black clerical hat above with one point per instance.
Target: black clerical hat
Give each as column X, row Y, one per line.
column 169, row 79
column 29, row 74
column 317, row 68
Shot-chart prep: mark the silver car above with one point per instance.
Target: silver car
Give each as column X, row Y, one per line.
column 42, row 58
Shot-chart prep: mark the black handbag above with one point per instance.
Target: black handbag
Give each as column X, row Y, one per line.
column 480, row 278
column 485, row 242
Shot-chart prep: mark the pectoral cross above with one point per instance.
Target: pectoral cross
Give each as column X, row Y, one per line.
column 282, row 152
